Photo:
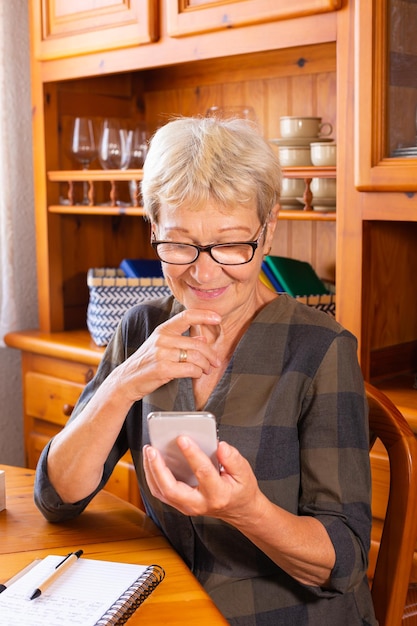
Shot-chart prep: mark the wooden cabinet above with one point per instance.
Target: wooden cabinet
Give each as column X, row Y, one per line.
column 272, row 81
column 376, row 262
column 66, row 29
column 377, row 226
column 201, row 16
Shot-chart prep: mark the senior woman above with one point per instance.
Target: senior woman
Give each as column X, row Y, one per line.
column 280, row 535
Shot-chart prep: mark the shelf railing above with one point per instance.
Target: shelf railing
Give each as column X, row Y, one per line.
column 91, row 177
column 115, row 208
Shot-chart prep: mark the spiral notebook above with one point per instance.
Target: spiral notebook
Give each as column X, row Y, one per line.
column 89, row 593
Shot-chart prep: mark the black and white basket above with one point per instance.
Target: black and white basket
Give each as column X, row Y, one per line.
column 325, row 302
column 112, row 294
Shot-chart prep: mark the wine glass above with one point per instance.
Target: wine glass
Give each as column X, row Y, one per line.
column 241, row 111
column 114, row 147
column 138, row 152
column 83, row 147
column 114, row 151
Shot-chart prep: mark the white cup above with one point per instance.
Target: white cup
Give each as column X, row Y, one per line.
column 323, row 154
column 295, row 127
column 292, row 187
column 291, row 156
column 323, row 188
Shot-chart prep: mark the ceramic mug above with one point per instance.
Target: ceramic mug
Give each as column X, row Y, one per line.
column 323, row 187
column 293, row 127
column 291, row 156
column 292, row 187
column 323, row 154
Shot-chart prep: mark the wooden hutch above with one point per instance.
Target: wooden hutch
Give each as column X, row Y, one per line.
column 149, row 59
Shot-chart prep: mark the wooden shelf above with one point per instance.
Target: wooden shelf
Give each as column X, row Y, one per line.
column 75, row 176
column 91, row 176
column 311, row 215
column 309, row 172
column 79, row 209
column 62, row 176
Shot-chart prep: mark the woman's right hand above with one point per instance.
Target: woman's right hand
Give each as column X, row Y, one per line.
column 78, row 453
column 157, row 360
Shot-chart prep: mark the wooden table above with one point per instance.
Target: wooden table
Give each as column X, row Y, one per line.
column 109, row 529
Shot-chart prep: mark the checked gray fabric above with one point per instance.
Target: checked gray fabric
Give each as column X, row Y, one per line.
column 292, row 401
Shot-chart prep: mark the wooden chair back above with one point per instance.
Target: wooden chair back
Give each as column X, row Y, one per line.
column 398, row 541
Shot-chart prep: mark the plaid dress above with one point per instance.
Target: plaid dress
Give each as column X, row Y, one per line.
column 292, row 402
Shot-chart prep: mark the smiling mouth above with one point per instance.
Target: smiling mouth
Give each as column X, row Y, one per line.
column 208, row 292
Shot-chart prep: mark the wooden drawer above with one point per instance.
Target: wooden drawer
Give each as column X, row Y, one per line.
column 49, row 402
column 50, row 399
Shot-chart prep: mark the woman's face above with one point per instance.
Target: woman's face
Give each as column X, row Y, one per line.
column 227, row 289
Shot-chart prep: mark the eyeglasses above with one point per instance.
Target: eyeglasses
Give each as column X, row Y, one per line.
column 236, row 253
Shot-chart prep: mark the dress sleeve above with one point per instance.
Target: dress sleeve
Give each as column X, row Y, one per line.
column 335, row 463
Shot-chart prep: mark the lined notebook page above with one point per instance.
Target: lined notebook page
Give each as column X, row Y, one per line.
column 80, row 596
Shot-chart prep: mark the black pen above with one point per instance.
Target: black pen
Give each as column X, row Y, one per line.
column 62, row 566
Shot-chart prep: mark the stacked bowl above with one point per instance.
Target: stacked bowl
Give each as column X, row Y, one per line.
column 295, row 150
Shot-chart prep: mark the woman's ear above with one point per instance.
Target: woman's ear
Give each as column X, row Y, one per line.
column 273, row 215
column 272, row 224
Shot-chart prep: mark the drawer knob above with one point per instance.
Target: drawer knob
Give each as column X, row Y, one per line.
column 67, row 409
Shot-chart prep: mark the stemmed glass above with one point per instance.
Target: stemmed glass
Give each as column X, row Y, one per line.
column 241, row 111
column 83, row 147
column 114, row 150
column 139, row 150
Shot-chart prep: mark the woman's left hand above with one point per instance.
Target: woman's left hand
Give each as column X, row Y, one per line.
column 299, row 544
column 229, row 496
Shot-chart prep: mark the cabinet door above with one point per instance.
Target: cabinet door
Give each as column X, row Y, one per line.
column 187, row 17
column 386, row 96
column 63, row 29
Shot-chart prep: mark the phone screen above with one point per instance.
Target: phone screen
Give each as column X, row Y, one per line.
column 164, row 427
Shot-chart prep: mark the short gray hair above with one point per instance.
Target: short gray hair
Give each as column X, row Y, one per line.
column 193, row 160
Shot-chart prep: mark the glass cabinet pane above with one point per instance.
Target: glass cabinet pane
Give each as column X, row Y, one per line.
column 386, row 96
column 402, row 78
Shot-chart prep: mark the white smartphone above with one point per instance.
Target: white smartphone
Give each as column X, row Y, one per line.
column 164, row 427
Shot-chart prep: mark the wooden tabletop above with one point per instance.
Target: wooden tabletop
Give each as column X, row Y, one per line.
column 109, row 529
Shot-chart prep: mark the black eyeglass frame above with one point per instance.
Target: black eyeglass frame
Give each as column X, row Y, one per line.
column 198, row 249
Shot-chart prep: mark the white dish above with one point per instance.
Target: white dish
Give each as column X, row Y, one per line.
column 299, row 141
column 295, row 156
column 289, row 203
column 405, row 152
column 324, row 209
column 321, row 201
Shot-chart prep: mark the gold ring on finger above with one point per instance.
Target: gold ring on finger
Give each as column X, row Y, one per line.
column 183, row 356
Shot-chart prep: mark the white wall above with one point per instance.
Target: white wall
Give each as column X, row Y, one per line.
column 14, row 30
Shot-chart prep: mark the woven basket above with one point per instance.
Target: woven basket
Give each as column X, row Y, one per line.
column 112, row 294
column 325, row 302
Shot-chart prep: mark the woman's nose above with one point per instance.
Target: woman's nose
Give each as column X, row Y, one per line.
column 205, row 267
